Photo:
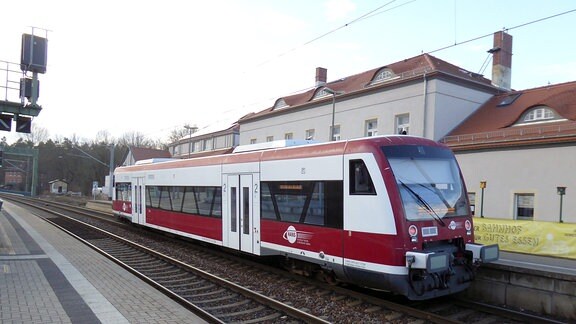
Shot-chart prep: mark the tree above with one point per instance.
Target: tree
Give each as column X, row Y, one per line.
column 179, row 133
column 103, row 137
column 38, row 135
column 135, row 139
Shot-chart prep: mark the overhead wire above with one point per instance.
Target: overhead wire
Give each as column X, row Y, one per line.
column 377, row 11
column 362, row 17
column 505, row 29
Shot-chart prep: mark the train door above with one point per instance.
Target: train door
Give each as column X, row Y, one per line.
column 242, row 228
column 138, row 203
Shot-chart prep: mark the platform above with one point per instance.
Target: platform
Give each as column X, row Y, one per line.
column 551, row 265
column 46, row 276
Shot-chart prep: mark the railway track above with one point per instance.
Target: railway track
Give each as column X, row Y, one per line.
column 213, row 298
column 327, row 303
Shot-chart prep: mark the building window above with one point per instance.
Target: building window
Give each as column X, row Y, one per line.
column 208, row 144
column 509, row 99
column 197, row 146
column 472, row 199
column 322, row 94
column 310, row 134
column 403, row 124
column 288, row 136
column 384, row 75
column 371, row 127
column 280, row 103
column 538, row 114
column 229, row 140
column 336, row 135
column 269, row 138
column 524, row 206
column 252, row 141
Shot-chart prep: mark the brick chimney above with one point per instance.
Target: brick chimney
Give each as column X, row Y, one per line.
column 321, row 74
column 502, row 60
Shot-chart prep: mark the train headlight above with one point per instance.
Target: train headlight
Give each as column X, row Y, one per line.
column 484, row 253
column 468, row 226
column 413, row 232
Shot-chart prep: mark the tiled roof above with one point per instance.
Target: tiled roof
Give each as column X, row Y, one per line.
column 404, row 70
column 493, row 122
column 142, row 153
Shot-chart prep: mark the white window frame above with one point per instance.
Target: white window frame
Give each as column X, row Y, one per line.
column 336, row 134
column 539, row 114
column 197, row 147
column 371, row 127
column 402, row 125
column 517, row 204
column 472, row 200
column 208, row 144
column 310, row 133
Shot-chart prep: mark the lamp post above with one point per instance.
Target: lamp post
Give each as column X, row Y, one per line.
column 482, row 186
column 191, row 129
column 561, row 191
column 333, row 93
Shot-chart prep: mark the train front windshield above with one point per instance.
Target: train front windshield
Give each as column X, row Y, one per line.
column 429, row 182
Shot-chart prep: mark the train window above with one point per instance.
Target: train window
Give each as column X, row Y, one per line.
column 360, row 180
column 124, row 191
column 308, row 202
column 165, row 198
column 153, row 196
column 267, row 206
column 246, row 210
column 209, row 200
column 205, row 201
column 189, row 204
column 177, row 198
column 233, row 209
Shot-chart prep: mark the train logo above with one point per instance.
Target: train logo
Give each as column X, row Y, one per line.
column 293, row 236
column 452, row 225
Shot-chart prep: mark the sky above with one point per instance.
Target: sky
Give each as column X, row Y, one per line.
column 150, row 67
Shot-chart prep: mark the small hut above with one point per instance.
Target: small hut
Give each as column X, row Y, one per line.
column 58, row 187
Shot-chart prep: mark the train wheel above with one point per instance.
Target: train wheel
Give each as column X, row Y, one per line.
column 327, row 277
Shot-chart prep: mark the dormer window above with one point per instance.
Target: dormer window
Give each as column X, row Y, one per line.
column 280, row 103
column 539, row 114
column 321, row 94
column 384, row 75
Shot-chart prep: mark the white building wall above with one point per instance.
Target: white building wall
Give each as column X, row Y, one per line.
column 527, row 170
column 447, row 105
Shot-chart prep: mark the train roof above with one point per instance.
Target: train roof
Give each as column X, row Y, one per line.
column 305, row 150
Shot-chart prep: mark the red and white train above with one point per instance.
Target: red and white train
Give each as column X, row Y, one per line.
column 387, row 212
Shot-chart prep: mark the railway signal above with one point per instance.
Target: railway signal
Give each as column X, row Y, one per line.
column 33, row 59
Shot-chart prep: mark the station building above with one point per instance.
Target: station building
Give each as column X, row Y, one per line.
column 518, row 151
column 518, row 145
column 422, row 96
